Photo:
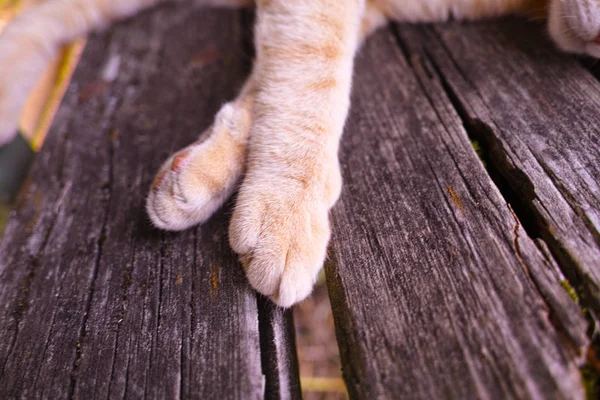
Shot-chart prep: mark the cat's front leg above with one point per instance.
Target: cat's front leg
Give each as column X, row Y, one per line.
column 194, row 182
column 280, row 225
column 30, row 41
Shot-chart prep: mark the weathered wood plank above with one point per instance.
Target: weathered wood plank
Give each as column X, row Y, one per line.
column 436, row 288
column 95, row 302
column 536, row 112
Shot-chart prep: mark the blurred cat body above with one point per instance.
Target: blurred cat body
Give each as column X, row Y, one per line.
column 278, row 140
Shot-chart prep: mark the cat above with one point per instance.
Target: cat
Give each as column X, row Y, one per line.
column 280, row 136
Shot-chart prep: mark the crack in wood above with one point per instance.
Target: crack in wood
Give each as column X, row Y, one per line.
column 520, row 183
column 435, row 73
column 120, row 306
column 518, row 188
column 398, row 252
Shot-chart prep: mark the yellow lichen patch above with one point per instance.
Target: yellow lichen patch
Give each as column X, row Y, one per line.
column 214, row 280
column 38, row 199
column 178, row 279
column 204, row 57
column 455, row 198
column 114, row 134
column 4, row 211
column 323, row 385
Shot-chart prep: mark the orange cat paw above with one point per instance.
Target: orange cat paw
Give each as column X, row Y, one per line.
column 194, row 182
column 280, row 229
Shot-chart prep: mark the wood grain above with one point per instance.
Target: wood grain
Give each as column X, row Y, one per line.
column 535, row 111
column 436, row 288
column 438, row 291
column 94, row 302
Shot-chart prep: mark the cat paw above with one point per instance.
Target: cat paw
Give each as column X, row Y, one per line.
column 280, row 230
column 574, row 26
column 194, row 182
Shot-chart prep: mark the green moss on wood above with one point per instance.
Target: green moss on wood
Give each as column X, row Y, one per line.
column 567, row 286
column 479, row 151
column 590, row 383
column 4, row 211
column 590, row 373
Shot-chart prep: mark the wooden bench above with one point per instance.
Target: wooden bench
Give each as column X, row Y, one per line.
column 446, row 278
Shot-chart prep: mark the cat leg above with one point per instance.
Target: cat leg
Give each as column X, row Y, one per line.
column 443, row 10
column 373, row 18
column 32, row 39
column 194, row 182
column 280, row 226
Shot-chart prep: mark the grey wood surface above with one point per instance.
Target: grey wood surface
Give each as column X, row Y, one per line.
column 94, row 303
column 536, row 112
column 437, row 289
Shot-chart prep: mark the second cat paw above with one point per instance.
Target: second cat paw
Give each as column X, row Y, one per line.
column 194, row 182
